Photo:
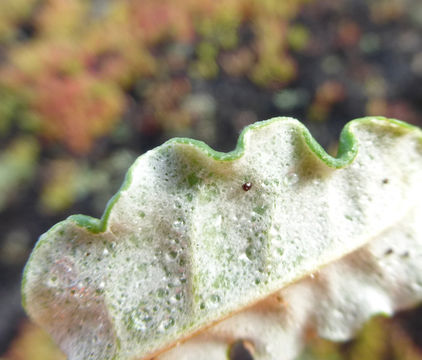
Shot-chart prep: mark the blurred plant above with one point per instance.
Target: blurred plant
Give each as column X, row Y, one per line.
column 163, row 101
column 380, row 338
column 298, row 37
column 67, row 181
column 327, row 95
column 17, row 166
column 74, row 70
column 15, row 114
column 33, row 344
column 12, row 15
column 71, row 75
column 15, row 247
column 61, row 185
column 387, row 10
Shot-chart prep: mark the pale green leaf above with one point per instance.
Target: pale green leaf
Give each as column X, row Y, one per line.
column 183, row 246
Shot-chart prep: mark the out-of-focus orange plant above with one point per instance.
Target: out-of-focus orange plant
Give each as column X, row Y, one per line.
column 73, row 72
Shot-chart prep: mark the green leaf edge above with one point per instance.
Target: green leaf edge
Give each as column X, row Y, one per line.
column 347, row 151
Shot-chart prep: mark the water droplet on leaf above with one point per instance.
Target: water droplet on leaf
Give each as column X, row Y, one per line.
column 291, row 179
column 62, row 274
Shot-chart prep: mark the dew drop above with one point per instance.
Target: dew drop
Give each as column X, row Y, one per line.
column 273, row 232
column 215, row 298
column 250, row 253
column 52, row 281
column 178, row 224
column 337, row 314
column 166, row 324
column 291, row 179
column 177, row 205
column 172, row 255
column 218, row 221
column 161, row 293
column 99, row 291
column 140, row 320
column 280, row 251
column 243, row 257
column 415, row 287
column 62, row 273
column 316, row 181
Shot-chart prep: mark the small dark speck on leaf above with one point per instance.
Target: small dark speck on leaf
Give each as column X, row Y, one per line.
column 388, row 252
column 405, row 254
column 247, row 186
column 385, row 181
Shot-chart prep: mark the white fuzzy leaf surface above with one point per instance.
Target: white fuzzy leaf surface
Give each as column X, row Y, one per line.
column 196, row 237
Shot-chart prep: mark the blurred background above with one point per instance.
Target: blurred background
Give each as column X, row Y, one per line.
column 88, row 85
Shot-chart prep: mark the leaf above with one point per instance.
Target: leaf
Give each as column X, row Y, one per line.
column 383, row 276
column 195, row 236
